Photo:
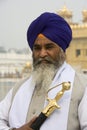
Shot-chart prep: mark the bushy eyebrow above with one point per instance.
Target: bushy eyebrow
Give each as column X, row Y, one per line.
column 50, row 44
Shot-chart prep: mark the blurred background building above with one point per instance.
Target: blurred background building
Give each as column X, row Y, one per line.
column 14, row 65
column 77, row 52
column 17, row 64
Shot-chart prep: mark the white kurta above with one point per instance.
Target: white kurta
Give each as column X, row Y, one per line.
column 19, row 108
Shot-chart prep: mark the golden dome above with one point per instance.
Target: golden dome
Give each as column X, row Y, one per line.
column 64, row 12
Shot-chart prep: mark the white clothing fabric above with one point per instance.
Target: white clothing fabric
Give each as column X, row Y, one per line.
column 17, row 116
column 21, row 101
column 4, row 111
column 82, row 111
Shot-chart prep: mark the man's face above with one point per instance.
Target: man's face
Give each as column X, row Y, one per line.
column 45, row 51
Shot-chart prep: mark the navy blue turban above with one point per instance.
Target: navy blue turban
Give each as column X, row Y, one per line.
column 52, row 26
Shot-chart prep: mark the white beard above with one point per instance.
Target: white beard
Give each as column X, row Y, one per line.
column 43, row 75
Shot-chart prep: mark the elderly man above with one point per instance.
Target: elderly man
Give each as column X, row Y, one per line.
column 48, row 36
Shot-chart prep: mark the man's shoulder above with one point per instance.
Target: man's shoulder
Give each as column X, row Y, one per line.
column 81, row 77
column 18, row 85
column 21, row 81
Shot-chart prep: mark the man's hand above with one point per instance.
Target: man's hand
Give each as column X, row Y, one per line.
column 26, row 126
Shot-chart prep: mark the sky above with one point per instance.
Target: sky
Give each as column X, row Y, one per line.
column 16, row 16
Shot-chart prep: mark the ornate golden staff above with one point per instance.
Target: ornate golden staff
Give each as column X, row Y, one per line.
column 52, row 105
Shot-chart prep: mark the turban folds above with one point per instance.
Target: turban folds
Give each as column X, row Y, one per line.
column 52, row 26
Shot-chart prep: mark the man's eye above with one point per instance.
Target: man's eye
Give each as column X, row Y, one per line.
column 49, row 47
column 36, row 48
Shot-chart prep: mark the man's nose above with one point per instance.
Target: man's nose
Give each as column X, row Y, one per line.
column 43, row 53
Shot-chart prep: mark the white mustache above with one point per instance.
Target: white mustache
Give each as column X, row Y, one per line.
column 49, row 60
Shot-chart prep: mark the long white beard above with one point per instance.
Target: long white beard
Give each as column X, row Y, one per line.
column 43, row 75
